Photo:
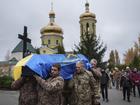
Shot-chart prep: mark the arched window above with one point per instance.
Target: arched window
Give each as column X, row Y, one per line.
column 49, row 41
column 43, row 42
column 57, row 42
column 81, row 29
column 87, row 27
column 93, row 26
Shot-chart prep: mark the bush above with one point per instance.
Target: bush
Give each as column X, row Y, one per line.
column 5, row 82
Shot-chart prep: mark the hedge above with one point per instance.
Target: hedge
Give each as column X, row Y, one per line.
column 5, row 82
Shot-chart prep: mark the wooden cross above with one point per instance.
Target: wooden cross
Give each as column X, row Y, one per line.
column 25, row 39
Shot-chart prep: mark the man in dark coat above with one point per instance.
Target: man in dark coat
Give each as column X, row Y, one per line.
column 104, row 85
column 126, row 84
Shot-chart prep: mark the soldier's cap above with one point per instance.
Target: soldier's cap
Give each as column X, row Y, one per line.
column 127, row 67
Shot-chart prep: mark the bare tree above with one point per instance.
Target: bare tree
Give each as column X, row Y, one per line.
column 7, row 56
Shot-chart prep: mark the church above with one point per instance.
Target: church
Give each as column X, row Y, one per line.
column 51, row 38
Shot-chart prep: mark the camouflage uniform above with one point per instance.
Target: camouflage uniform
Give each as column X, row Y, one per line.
column 67, row 91
column 50, row 90
column 28, row 91
column 97, row 74
column 84, row 88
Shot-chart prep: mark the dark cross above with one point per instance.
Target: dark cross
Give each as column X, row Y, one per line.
column 25, row 40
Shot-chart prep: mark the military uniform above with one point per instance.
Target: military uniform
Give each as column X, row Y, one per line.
column 28, row 91
column 84, row 88
column 50, row 90
column 67, row 92
column 97, row 74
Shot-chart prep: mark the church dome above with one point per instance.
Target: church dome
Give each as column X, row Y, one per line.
column 87, row 12
column 51, row 28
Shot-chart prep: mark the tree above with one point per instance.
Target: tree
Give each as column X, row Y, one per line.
column 114, row 59
column 111, row 60
column 136, row 62
column 117, row 58
column 7, row 56
column 37, row 50
column 91, row 47
column 129, row 56
column 132, row 55
column 61, row 49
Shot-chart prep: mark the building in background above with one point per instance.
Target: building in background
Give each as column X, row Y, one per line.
column 51, row 36
column 87, row 22
column 6, row 67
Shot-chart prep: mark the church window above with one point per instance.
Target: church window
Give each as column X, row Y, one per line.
column 43, row 43
column 56, row 41
column 87, row 27
column 93, row 26
column 49, row 41
column 81, row 29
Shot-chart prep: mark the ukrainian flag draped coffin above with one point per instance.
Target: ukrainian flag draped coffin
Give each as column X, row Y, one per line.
column 41, row 64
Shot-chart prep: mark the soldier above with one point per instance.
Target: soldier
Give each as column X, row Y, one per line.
column 96, row 71
column 83, row 86
column 67, row 92
column 28, row 91
column 50, row 90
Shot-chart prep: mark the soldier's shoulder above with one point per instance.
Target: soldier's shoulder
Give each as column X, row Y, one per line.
column 89, row 72
column 60, row 78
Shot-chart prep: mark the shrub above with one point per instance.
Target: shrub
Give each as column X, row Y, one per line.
column 5, row 82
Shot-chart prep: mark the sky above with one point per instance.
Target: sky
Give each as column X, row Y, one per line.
column 118, row 22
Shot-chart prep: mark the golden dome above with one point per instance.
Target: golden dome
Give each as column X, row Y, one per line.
column 52, row 13
column 51, row 28
column 88, row 14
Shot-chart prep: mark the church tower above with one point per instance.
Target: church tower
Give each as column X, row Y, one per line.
column 51, row 36
column 87, row 22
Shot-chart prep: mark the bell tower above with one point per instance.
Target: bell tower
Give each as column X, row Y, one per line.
column 87, row 22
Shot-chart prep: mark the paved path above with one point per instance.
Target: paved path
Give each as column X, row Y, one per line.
column 8, row 97
column 115, row 98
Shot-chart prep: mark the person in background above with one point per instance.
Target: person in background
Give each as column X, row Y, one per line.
column 135, row 78
column 126, row 85
column 109, row 74
column 104, row 80
column 117, row 76
column 112, row 78
column 50, row 90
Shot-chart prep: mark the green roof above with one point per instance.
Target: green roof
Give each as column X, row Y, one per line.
column 13, row 61
column 19, row 47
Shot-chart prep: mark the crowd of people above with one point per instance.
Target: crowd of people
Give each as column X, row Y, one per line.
column 126, row 80
column 83, row 89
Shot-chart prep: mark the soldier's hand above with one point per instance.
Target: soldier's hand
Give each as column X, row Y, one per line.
column 35, row 76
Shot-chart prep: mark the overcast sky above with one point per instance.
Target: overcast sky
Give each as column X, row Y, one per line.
column 118, row 22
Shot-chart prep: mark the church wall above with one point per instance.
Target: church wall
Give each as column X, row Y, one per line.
column 17, row 55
